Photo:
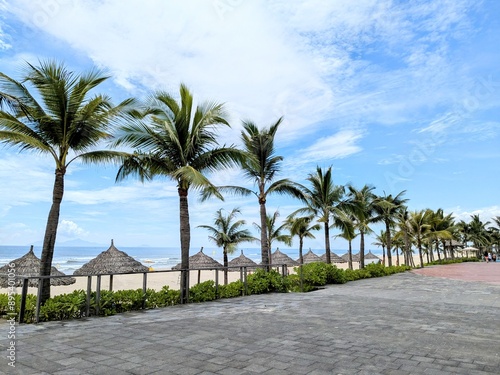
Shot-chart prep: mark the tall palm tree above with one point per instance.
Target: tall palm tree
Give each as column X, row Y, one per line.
column 322, row 198
column 60, row 118
column 387, row 207
column 440, row 230
column 172, row 139
column 274, row 232
column 345, row 222
column 419, row 228
column 361, row 204
column 261, row 165
column 228, row 233
column 478, row 232
column 302, row 228
column 381, row 239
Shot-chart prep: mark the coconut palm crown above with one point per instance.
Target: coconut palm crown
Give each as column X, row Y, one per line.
column 322, row 198
column 51, row 112
column 261, row 165
column 227, row 233
column 175, row 140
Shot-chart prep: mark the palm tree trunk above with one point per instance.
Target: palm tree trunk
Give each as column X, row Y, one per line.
column 383, row 255
column 420, row 254
column 49, row 239
column 301, row 243
column 388, row 243
column 185, row 243
column 226, row 262
column 407, row 248
column 264, row 244
column 349, row 255
column 362, row 251
column 397, row 256
column 327, row 242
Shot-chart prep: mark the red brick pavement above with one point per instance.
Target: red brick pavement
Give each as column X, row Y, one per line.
column 471, row 271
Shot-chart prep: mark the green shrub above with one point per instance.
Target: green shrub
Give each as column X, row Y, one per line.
column 165, row 297
column 376, row 269
column 127, row 300
column 231, row 290
column 314, row 274
column 202, row 292
column 262, row 281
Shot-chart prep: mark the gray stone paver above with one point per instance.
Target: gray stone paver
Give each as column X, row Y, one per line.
column 402, row 324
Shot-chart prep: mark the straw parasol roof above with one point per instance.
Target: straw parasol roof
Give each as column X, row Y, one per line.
column 29, row 265
column 280, row 258
column 333, row 257
column 200, row 260
column 242, row 260
column 355, row 257
column 310, row 257
column 111, row 261
column 454, row 243
column 370, row 255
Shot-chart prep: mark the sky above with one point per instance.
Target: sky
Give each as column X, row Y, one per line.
column 395, row 94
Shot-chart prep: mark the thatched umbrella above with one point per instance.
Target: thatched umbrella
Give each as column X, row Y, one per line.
column 310, row 257
column 111, row 261
column 355, row 257
column 371, row 256
column 280, row 258
column 333, row 257
column 200, row 260
column 242, row 261
column 29, row 265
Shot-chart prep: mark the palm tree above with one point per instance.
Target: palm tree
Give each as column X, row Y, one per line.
column 387, row 207
column 440, row 230
column 419, row 228
column 361, row 205
column 274, row 233
column 301, row 227
column 478, row 232
column 227, row 233
column 321, row 200
column 345, row 222
column 61, row 119
column 381, row 239
column 403, row 234
column 261, row 165
column 178, row 142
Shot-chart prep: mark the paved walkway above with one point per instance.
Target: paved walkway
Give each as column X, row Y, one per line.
column 403, row 324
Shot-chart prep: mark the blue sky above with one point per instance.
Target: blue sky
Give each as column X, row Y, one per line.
column 400, row 95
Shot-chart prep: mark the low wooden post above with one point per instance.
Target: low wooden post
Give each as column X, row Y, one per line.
column 98, row 295
column 24, row 294
column 144, row 288
column 89, row 292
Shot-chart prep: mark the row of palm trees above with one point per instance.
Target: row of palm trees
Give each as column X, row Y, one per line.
column 52, row 111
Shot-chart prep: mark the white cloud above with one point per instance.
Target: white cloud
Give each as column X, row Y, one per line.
column 485, row 213
column 71, row 229
column 337, row 146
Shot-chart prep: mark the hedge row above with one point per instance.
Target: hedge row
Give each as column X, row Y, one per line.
column 307, row 278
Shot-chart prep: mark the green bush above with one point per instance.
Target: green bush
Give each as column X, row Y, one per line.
column 202, row 292
column 314, row 274
column 165, row 297
column 266, row 282
column 231, row 290
column 376, row 269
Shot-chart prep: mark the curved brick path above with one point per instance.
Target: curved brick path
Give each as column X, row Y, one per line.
column 403, row 324
column 473, row 271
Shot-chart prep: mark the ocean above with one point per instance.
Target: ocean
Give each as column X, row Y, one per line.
column 68, row 259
